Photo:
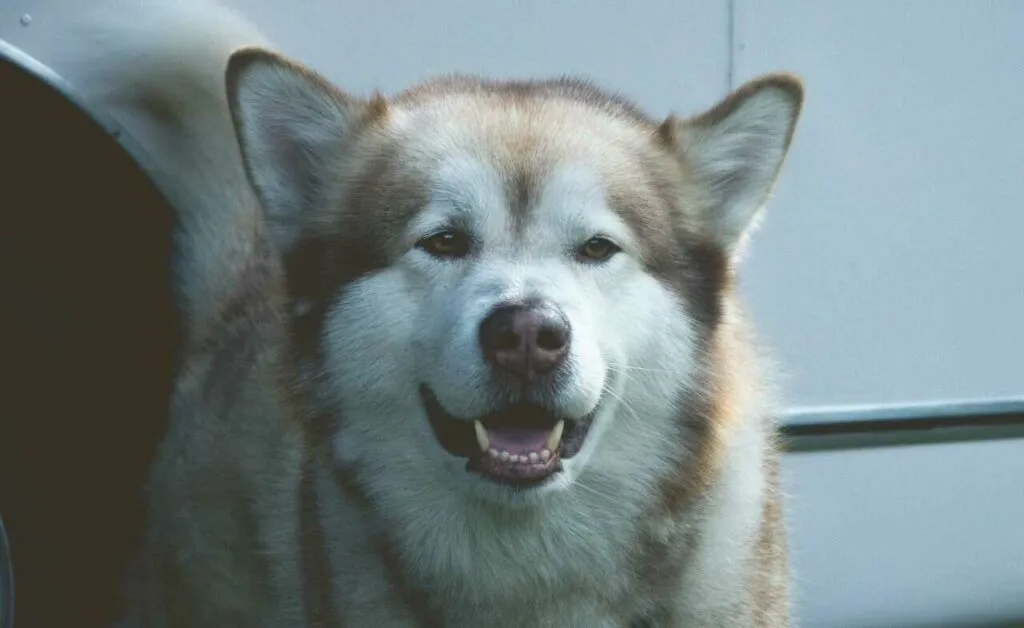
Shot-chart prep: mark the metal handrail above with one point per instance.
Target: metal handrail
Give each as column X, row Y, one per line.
column 859, row 427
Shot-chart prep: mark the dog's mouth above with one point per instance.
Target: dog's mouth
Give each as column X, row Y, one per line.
column 522, row 445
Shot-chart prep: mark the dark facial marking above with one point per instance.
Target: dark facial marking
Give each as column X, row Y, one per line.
column 352, row 238
column 675, row 250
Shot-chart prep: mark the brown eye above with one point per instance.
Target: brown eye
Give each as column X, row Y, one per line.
column 597, row 249
column 452, row 244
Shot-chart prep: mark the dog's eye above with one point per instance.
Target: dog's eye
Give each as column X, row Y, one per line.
column 446, row 244
column 597, row 249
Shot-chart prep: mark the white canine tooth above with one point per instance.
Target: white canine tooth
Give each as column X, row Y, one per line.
column 545, row 454
column 556, row 436
column 481, row 436
column 505, row 455
column 534, row 457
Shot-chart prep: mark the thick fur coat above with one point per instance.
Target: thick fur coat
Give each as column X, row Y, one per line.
column 336, row 258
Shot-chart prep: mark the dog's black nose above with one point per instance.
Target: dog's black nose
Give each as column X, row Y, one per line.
column 526, row 340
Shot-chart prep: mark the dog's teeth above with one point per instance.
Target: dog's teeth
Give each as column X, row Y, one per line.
column 556, row 436
column 534, row 457
column 545, row 454
column 493, row 453
column 505, row 455
column 481, row 436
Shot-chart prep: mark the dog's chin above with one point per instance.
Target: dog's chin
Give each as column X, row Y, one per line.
column 520, row 446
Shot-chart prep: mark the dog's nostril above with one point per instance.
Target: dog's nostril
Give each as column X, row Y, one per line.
column 552, row 338
column 507, row 339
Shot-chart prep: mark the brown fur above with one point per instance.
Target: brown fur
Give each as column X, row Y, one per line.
column 235, row 432
column 770, row 573
column 241, row 430
column 652, row 188
column 247, row 523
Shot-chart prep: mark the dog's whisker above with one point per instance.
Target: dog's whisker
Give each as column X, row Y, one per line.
column 640, row 369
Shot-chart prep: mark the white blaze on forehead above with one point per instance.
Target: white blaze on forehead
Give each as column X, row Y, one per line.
column 466, row 190
column 573, row 206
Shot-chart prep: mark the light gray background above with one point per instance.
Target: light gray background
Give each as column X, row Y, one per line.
column 891, row 266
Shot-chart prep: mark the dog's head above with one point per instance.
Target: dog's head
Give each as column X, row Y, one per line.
column 503, row 281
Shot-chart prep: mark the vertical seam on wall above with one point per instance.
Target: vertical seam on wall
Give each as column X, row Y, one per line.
column 730, row 70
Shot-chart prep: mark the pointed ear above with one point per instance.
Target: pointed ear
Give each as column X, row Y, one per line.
column 735, row 151
column 293, row 128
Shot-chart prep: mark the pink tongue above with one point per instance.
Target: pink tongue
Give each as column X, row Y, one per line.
column 518, row 440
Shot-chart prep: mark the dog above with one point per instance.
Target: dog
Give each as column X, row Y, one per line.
column 467, row 355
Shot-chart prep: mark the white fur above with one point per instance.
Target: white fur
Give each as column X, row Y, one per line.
column 739, row 157
column 500, row 558
column 293, row 133
column 555, row 556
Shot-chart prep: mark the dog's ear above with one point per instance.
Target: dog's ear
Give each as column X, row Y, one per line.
column 293, row 128
column 735, row 151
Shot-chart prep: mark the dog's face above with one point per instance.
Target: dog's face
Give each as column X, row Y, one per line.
column 513, row 282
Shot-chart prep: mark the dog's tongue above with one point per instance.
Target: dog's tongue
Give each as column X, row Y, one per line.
column 518, row 440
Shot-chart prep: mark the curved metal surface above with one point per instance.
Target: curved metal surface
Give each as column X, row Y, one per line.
column 6, row 581
column 15, row 56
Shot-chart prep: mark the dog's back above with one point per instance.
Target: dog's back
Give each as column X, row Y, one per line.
column 222, row 515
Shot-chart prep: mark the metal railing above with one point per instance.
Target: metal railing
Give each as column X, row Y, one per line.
column 859, row 427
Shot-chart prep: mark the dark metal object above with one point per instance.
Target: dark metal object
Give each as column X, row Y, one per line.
column 6, row 581
column 88, row 332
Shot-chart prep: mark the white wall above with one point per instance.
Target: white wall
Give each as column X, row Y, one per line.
column 891, row 266
column 923, row 536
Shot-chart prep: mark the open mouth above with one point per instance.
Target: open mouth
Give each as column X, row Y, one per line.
column 522, row 445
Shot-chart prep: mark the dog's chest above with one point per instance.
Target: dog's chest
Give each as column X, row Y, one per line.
column 564, row 571
column 581, row 611
column 571, row 568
